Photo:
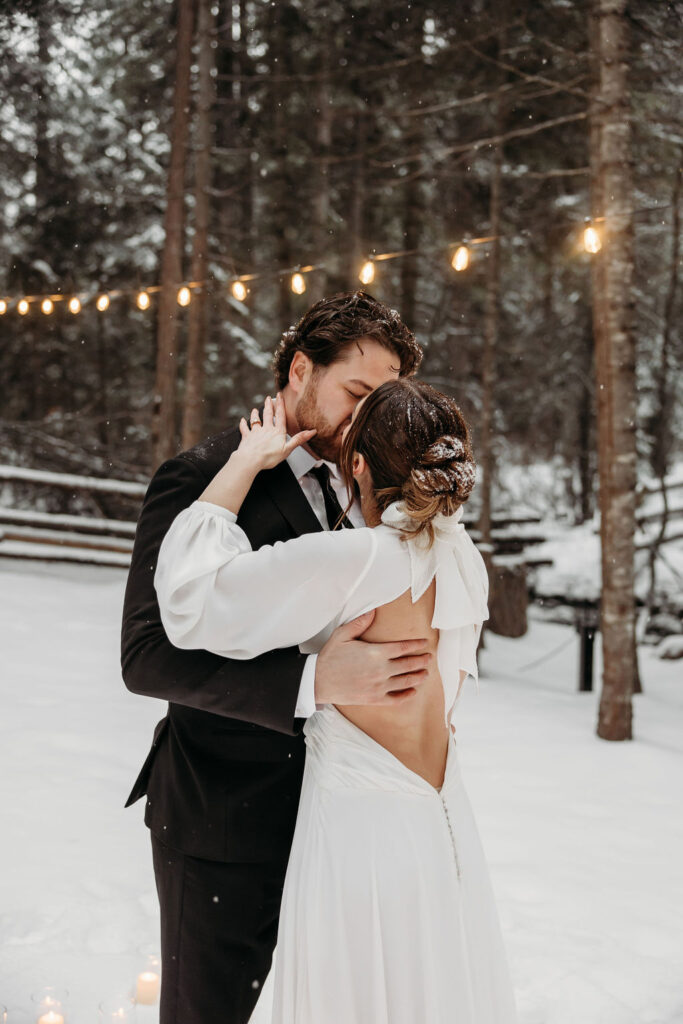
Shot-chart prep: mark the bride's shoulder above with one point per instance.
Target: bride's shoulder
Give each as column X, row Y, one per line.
column 395, row 536
column 390, row 543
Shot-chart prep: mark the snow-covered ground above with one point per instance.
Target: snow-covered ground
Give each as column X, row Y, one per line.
column 584, row 838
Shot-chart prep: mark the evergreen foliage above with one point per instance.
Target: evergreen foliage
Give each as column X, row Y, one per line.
column 338, row 127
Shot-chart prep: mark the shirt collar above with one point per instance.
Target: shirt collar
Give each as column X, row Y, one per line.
column 302, row 462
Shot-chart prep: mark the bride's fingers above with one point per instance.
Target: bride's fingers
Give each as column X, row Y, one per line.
column 301, row 438
column 268, row 412
column 244, row 429
column 279, row 413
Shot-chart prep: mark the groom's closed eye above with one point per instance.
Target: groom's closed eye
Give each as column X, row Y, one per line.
column 361, row 386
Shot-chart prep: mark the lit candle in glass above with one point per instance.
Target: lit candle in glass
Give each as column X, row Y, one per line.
column 149, row 981
column 117, row 1009
column 147, row 988
column 50, row 1002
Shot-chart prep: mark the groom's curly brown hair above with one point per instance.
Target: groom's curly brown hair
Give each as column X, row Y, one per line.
column 332, row 324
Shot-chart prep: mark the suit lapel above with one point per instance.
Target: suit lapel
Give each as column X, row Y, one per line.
column 285, row 491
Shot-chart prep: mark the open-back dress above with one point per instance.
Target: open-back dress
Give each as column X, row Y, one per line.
column 388, row 913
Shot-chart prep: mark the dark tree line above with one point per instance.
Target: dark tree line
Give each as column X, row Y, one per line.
column 335, row 128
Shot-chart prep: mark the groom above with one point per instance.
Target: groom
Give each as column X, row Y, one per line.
column 223, row 776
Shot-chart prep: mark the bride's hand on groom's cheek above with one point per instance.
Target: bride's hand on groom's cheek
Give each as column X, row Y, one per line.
column 264, row 443
column 263, row 446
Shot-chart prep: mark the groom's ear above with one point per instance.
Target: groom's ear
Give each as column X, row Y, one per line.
column 299, row 371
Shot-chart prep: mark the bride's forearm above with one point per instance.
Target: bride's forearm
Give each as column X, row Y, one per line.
column 231, row 484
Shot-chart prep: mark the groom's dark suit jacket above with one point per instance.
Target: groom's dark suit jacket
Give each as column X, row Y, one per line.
column 224, row 773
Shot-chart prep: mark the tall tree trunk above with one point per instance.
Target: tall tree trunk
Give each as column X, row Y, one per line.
column 321, row 196
column 43, row 158
column 484, row 445
column 411, row 240
column 39, row 340
column 193, row 418
column 586, row 432
column 163, row 422
column 615, row 370
column 281, row 93
column 660, row 455
column 227, row 136
column 245, row 137
column 102, row 425
column 357, row 236
column 413, row 212
column 661, row 420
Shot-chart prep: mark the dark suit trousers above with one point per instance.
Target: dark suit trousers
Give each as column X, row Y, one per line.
column 218, row 930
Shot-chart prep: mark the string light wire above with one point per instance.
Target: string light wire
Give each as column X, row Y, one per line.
column 458, row 253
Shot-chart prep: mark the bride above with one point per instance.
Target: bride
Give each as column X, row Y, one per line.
column 388, row 915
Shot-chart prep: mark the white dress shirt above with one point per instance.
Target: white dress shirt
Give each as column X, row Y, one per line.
column 301, row 462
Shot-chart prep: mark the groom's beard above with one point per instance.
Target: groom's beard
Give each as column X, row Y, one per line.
column 327, row 442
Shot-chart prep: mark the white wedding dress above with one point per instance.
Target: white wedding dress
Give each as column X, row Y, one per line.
column 388, row 914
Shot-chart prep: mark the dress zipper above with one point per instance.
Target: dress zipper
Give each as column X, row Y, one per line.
column 450, row 830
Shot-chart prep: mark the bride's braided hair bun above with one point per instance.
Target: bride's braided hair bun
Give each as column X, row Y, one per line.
column 417, row 446
column 442, row 480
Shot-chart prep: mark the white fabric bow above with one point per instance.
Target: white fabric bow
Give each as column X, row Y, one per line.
column 462, row 579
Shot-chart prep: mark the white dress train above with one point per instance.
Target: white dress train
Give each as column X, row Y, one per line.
column 388, row 913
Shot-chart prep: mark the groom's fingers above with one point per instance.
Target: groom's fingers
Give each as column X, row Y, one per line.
column 408, row 664
column 403, row 668
column 356, row 627
column 396, row 649
column 351, row 670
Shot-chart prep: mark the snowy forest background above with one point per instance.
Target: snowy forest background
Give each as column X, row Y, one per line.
column 336, row 129
column 319, row 133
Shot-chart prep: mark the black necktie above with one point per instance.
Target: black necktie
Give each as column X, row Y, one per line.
column 333, row 509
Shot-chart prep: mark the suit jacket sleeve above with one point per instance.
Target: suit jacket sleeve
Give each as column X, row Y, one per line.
column 262, row 690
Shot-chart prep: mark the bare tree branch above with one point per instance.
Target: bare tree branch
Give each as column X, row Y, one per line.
column 491, row 140
column 573, row 90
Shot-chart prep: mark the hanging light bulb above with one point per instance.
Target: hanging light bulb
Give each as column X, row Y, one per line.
column 22, row 307
column 298, row 283
column 367, row 272
column 74, row 305
column 461, row 258
column 102, row 303
column 47, row 306
column 591, row 239
column 184, row 296
column 143, row 300
column 3, row 307
column 239, row 290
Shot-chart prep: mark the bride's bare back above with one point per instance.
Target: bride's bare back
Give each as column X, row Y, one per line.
column 413, row 729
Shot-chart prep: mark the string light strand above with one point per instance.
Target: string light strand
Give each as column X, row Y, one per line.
column 460, row 258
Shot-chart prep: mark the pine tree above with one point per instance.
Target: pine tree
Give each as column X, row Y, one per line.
column 615, row 366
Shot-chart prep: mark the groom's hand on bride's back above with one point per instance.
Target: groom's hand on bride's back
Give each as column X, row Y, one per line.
column 353, row 671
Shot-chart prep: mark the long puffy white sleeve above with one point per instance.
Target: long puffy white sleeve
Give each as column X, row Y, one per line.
column 217, row 594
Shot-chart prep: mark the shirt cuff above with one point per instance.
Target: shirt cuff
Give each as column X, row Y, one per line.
column 305, row 705
column 212, row 507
